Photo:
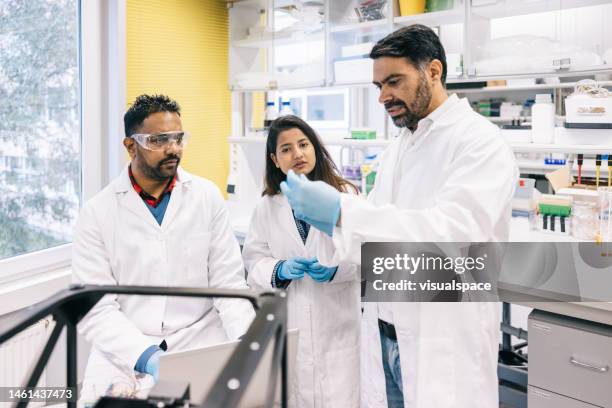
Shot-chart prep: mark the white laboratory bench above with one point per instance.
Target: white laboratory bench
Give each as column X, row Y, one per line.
column 600, row 312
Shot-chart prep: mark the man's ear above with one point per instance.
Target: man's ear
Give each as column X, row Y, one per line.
column 130, row 146
column 435, row 70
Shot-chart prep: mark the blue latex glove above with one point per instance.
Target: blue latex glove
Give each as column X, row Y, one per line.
column 314, row 202
column 321, row 273
column 294, row 268
column 152, row 366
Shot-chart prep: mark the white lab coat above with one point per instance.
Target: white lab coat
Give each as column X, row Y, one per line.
column 327, row 314
column 118, row 242
column 459, row 190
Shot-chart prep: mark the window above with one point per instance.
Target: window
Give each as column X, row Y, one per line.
column 40, row 166
column 323, row 109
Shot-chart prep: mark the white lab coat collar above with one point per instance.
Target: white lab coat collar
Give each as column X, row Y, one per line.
column 446, row 106
column 123, row 184
column 127, row 196
column 451, row 110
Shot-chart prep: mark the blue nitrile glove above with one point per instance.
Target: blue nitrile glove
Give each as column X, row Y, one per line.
column 315, row 202
column 321, row 273
column 152, row 366
column 148, row 362
column 294, row 268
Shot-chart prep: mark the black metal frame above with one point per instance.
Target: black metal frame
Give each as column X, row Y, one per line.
column 512, row 365
column 69, row 306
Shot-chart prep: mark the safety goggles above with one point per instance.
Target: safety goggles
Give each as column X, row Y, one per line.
column 159, row 141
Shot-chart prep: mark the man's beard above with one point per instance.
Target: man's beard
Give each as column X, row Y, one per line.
column 417, row 109
column 158, row 172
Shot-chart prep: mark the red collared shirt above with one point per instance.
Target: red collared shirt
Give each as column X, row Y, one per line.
column 148, row 198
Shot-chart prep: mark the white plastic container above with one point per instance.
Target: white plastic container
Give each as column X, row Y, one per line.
column 286, row 109
column 543, row 120
column 271, row 114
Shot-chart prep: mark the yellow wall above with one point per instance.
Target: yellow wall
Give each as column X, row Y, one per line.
column 180, row 48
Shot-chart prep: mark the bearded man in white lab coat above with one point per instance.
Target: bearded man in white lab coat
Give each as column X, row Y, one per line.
column 155, row 225
column 449, row 176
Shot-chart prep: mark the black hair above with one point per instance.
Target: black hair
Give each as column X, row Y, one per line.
column 145, row 105
column 417, row 43
column 324, row 170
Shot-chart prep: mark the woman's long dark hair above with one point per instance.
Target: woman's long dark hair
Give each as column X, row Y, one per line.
column 324, row 170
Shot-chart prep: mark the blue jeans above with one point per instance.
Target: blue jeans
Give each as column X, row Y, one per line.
column 393, row 372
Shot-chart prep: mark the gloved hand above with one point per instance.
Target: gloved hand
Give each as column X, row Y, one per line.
column 314, row 202
column 152, row 366
column 321, row 273
column 294, row 268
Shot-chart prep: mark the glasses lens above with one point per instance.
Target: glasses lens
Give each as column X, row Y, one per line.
column 161, row 140
column 157, row 141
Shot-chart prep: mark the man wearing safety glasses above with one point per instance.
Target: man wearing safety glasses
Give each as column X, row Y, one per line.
column 155, row 225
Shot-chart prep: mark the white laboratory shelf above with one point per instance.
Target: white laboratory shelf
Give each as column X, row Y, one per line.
column 433, row 19
column 573, row 72
column 538, row 167
column 516, row 147
column 558, row 148
column 331, row 141
column 277, row 40
column 366, row 25
column 253, row 4
column 510, row 8
column 504, row 119
column 535, row 87
column 273, row 85
column 349, row 84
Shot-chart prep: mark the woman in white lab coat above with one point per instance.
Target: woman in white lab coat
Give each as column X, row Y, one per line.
column 323, row 301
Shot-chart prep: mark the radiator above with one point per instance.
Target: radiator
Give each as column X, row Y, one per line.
column 19, row 353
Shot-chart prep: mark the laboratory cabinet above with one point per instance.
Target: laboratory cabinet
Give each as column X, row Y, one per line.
column 569, row 361
column 275, row 45
column 285, row 44
column 539, row 398
column 509, row 37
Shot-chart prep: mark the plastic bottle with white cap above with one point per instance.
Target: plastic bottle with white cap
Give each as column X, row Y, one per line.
column 543, row 120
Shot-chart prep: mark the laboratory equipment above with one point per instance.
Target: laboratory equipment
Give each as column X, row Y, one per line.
column 609, row 170
column 363, row 133
column 585, row 220
column 597, row 169
column 554, row 214
column 186, row 366
column 516, row 134
column 569, row 136
column 605, row 213
column 523, row 202
column 352, row 170
column 368, row 173
column 510, row 110
column 543, row 120
column 438, row 5
column 286, row 109
column 589, row 107
column 369, row 10
column 411, row 7
column 271, row 114
column 240, row 366
column 569, row 362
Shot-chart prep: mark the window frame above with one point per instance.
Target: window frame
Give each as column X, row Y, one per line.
column 102, row 92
